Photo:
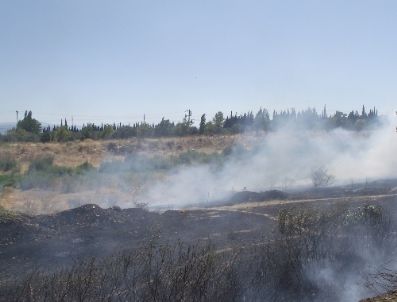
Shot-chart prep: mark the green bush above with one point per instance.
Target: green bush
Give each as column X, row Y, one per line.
column 42, row 173
column 7, row 180
column 7, row 216
column 84, row 167
column 195, row 157
column 7, row 163
column 42, row 163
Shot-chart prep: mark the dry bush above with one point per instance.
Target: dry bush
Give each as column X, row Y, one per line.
column 283, row 269
column 321, row 178
column 153, row 273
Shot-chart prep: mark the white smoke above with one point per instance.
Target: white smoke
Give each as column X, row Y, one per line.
column 280, row 159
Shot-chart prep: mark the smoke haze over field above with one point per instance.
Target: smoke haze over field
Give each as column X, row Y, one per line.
column 170, row 173
column 283, row 159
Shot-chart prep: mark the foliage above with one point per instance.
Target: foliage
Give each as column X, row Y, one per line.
column 29, row 124
column 138, row 163
column 42, row 163
column 203, row 121
column 8, row 180
column 7, row 162
column 29, row 129
column 7, row 216
column 42, row 173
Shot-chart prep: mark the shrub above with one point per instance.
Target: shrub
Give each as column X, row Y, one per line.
column 8, row 180
column 42, row 163
column 42, row 173
column 153, row 273
column 7, row 163
column 321, row 178
column 84, row 167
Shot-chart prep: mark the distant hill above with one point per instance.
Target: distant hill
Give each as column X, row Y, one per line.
column 6, row 126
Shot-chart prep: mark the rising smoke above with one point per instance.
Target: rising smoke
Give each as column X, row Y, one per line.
column 283, row 159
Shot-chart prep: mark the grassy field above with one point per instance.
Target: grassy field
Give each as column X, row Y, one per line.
column 44, row 178
column 72, row 154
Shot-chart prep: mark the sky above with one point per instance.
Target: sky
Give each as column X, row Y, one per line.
column 106, row 61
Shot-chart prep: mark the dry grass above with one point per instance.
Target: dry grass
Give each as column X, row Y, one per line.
column 388, row 297
column 72, row 154
column 38, row 201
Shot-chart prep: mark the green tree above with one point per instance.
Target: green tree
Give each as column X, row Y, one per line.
column 202, row 124
column 29, row 124
column 219, row 119
column 363, row 112
column 262, row 120
column 62, row 134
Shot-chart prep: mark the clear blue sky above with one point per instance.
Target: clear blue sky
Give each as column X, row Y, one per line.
column 116, row 60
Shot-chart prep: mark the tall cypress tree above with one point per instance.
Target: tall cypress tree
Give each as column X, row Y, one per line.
column 202, row 124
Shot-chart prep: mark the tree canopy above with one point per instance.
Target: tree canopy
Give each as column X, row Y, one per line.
column 30, row 129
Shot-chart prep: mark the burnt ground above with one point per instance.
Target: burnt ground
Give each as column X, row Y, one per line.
column 46, row 242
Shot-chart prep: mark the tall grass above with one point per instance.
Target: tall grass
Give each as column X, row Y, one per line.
column 7, row 163
column 42, row 173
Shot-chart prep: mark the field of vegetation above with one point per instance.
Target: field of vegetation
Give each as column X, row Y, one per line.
column 77, row 224
column 44, row 178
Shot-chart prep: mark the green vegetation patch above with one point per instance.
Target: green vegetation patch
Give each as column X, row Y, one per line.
column 8, row 180
column 7, row 216
column 7, row 163
column 42, row 173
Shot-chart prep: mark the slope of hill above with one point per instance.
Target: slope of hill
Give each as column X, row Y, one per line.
column 6, row 126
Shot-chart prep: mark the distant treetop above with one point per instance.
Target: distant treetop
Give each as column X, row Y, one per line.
column 29, row 129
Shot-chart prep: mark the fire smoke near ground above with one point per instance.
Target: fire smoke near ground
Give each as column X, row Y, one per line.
column 283, row 159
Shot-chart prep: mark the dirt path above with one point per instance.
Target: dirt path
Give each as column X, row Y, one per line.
column 248, row 207
column 227, row 209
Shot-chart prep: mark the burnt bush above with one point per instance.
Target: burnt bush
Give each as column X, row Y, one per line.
column 341, row 241
column 153, row 273
column 368, row 220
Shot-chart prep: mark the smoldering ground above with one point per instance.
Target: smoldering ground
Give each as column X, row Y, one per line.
column 317, row 254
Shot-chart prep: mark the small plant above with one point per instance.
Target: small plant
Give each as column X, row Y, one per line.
column 7, row 163
column 112, row 147
column 7, row 216
column 84, row 167
column 42, row 163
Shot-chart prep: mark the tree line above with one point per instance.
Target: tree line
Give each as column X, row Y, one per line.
column 30, row 129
